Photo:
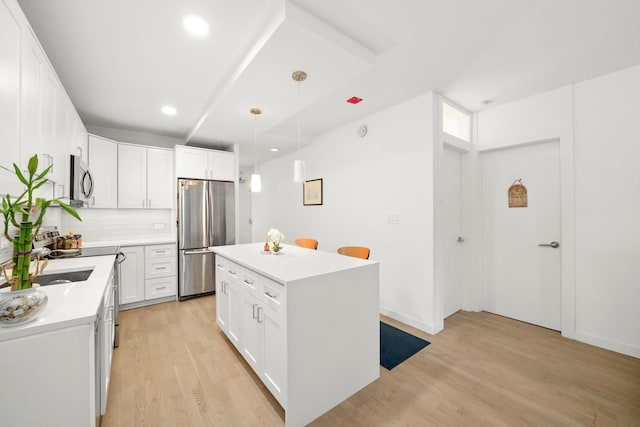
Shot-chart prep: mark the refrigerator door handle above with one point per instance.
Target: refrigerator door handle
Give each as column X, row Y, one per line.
column 198, row 252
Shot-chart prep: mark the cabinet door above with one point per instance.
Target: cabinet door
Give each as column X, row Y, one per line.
column 222, row 301
column 50, row 153
column 79, row 135
column 274, row 353
column 222, row 166
column 161, row 186
column 234, row 325
column 10, row 33
column 251, row 346
column 132, row 176
column 191, row 163
column 103, row 162
column 132, row 280
column 63, row 144
column 31, row 98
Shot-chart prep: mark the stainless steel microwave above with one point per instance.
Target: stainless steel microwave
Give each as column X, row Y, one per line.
column 82, row 184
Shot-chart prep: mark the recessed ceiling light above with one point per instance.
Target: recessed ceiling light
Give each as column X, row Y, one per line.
column 274, row 149
column 196, row 25
column 169, row 110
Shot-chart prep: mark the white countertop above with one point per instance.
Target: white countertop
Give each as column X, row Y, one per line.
column 129, row 242
column 69, row 304
column 294, row 263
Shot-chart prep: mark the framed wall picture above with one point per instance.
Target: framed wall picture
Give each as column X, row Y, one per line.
column 312, row 192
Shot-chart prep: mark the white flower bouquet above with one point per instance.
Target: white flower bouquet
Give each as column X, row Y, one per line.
column 276, row 237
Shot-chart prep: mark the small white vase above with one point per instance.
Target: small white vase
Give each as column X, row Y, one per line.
column 23, row 306
column 278, row 252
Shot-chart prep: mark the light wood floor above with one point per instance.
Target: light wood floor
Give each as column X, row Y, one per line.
column 175, row 368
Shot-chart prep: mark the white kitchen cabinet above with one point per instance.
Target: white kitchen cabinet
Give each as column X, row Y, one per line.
column 32, row 119
column 234, row 299
column 244, row 302
column 151, row 277
column 160, row 271
column 161, row 186
column 132, row 280
column 132, row 176
column 199, row 163
column 31, row 98
column 79, row 137
column 222, row 300
column 145, row 177
column 66, row 353
column 103, row 162
column 10, row 34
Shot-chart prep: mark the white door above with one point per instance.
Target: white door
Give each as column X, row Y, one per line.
column 451, row 226
column 521, row 279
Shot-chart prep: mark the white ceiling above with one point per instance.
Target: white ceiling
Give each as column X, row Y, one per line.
column 122, row 60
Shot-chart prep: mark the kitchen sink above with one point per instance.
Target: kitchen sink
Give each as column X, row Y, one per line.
column 63, row 277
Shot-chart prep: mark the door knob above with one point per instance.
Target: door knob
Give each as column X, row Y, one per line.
column 554, row 245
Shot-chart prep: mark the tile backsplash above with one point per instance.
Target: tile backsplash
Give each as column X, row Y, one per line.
column 110, row 225
column 120, row 224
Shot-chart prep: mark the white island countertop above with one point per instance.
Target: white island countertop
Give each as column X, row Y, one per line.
column 69, row 304
column 294, row 263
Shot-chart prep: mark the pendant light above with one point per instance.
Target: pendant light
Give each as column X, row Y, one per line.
column 256, row 181
column 299, row 166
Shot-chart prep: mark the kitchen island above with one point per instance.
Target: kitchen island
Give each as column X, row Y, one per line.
column 306, row 321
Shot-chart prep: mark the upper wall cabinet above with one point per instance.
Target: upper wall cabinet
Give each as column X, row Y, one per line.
column 145, row 177
column 10, row 34
column 103, row 162
column 36, row 116
column 200, row 163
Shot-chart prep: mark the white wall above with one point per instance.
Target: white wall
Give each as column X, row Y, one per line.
column 602, row 207
column 536, row 118
column 390, row 171
column 607, row 193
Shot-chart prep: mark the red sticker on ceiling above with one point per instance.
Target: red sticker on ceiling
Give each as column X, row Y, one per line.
column 354, row 100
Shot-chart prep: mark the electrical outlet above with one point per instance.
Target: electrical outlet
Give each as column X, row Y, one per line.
column 393, row 219
column 158, row 227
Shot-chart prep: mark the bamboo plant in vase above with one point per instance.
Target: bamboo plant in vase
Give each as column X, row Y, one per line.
column 26, row 213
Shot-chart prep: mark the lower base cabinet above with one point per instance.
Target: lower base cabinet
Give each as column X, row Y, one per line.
column 148, row 273
column 255, row 329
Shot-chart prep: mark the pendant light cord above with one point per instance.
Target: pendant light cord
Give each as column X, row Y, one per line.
column 299, row 132
column 255, row 144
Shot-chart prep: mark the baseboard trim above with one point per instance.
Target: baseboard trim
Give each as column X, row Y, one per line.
column 418, row 324
column 608, row 344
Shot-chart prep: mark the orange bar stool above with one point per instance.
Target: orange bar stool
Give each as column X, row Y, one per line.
column 355, row 251
column 307, row 243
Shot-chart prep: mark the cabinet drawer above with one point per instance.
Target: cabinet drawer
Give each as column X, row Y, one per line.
column 159, row 288
column 160, row 251
column 274, row 296
column 250, row 282
column 159, row 267
column 232, row 269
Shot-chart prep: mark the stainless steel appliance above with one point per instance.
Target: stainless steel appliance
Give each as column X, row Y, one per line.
column 81, row 183
column 206, row 217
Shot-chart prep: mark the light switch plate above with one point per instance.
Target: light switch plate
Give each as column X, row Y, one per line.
column 393, row 219
column 159, row 226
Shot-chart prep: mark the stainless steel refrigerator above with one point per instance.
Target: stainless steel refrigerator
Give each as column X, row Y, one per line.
column 206, row 217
